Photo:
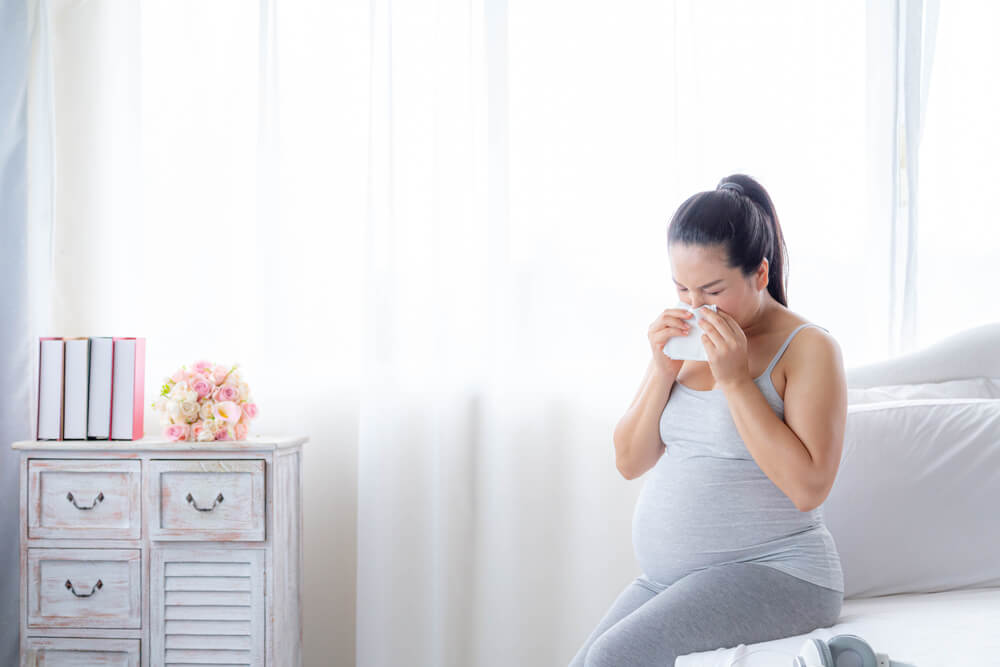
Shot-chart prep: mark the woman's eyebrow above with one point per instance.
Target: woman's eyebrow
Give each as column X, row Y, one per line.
column 703, row 286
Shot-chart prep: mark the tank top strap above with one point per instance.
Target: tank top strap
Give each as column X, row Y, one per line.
column 781, row 350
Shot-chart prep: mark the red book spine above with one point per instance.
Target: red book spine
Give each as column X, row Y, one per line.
column 139, row 383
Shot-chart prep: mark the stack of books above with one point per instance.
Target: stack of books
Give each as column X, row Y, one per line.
column 91, row 388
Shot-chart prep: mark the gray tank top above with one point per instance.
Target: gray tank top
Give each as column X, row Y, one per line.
column 707, row 502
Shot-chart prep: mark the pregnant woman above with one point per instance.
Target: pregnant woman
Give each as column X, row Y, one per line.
column 741, row 451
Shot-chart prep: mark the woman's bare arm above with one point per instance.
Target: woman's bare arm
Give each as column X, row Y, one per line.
column 637, row 436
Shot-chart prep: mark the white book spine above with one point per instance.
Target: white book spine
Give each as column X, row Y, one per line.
column 99, row 408
column 123, row 388
column 76, row 387
column 50, row 389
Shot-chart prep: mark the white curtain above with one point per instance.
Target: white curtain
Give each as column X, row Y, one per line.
column 958, row 244
column 493, row 528
column 14, row 305
column 434, row 235
column 159, row 205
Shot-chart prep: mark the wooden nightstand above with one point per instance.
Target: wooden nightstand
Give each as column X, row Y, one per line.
column 151, row 552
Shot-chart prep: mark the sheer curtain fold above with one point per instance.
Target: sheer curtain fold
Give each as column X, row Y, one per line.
column 915, row 31
column 429, row 333
column 958, row 144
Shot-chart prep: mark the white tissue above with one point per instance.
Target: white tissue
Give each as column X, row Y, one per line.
column 689, row 346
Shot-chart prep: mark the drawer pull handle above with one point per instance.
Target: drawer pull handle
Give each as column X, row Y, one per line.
column 93, row 589
column 98, row 499
column 190, row 499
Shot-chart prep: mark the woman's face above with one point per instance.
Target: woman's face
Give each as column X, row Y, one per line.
column 700, row 276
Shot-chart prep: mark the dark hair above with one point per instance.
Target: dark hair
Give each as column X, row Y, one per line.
column 744, row 223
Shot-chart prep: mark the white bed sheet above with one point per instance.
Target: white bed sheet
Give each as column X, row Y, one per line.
column 945, row 629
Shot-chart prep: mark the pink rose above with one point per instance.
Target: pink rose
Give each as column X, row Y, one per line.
column 227, row 411
column 227, row 392
column 222, row 434
column 250, row 410
column 177, row 432
column 201, row 366
column 241, row 431
column 219, row 374
column 179, row 375
column 202, row 386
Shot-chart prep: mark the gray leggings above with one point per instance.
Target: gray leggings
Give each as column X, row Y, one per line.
column 721, row 606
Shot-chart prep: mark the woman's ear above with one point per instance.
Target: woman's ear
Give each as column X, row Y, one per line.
column 762, row 274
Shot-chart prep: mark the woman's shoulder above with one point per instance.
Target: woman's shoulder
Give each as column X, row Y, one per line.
column 813, row 332
column 812, row 352
column 809, row 342
column 784, row 322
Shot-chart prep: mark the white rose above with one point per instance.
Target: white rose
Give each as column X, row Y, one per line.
column 173, row 410
column 205, row 411
column 244, row 391
column 178, row 391
column 207, row 433
column 190, row 410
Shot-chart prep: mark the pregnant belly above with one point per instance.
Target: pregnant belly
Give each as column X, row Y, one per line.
column 698, row 511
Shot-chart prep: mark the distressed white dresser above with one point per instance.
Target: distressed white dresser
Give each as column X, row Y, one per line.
column 150, row 552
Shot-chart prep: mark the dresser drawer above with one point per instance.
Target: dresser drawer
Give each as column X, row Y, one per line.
column 78, row 651
column 83, row 499
column 84, row 588
column 212, row 499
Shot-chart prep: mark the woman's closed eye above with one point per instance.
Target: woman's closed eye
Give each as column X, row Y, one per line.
column 712, row 293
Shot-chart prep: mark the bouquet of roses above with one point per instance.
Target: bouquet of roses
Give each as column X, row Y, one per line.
column 206, row 402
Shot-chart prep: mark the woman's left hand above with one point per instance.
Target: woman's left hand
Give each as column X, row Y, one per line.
column 726, row 347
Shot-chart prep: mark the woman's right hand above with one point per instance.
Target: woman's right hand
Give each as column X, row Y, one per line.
column 671, row 322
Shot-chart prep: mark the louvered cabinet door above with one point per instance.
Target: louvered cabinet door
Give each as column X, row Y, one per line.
column 207, row 606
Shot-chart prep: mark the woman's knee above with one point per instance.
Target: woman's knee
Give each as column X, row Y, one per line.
column 616, row 650
column 605, row 652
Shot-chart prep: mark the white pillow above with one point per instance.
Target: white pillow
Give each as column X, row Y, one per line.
column 981, row 387
column 915, row 506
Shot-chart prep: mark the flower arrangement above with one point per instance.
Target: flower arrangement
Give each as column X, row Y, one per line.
column 204, row 403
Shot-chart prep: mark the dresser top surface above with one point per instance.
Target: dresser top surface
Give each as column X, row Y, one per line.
column 160, row 444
